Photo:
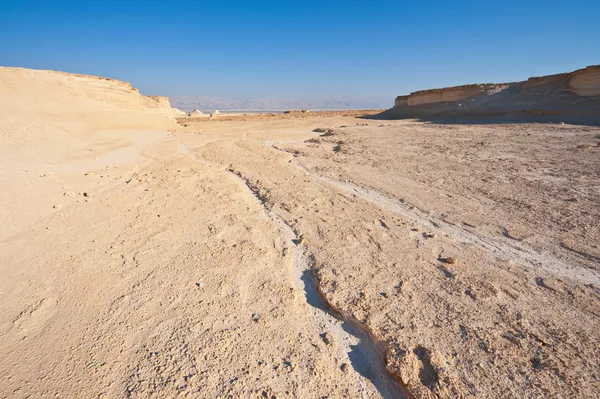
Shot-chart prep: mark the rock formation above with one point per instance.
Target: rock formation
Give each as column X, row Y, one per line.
column 449, row 94
column 567, row 97
column 79, row 102
column 177, row 113
column 586, row 82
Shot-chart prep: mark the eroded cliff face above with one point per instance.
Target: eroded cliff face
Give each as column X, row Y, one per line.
column 78, row 103
column 452, row 94
column 583, row 82
column 448, row 94
column 572, row 97
column 537, row 82
column 401, row 101
column 586, row 82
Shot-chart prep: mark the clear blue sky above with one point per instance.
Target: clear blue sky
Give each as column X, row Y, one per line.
column 306, row 48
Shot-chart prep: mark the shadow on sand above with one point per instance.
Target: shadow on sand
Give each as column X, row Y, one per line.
column 584, row 118
column 367, row 356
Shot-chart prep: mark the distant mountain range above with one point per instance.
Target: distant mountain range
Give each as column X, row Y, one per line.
column 190, row 103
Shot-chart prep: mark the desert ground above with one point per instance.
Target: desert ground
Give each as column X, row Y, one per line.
column 315, row 255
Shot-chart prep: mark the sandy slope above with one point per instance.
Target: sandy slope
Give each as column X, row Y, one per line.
column 56, row 127
column 257, row 258
column 131, row 268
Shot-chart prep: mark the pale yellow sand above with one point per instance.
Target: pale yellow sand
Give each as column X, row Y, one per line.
column 253, row 257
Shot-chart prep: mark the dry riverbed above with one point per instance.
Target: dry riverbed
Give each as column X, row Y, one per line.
column 254, row 257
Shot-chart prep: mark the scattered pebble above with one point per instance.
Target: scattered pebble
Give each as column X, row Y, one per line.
column 450, row 260
column 540, row 282
column 327, row 338
column 508, row 234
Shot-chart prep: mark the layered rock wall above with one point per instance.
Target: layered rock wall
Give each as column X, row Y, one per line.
column 586, row 82
column 447, row 94
column 450, row 94
column 79, row 102
column 583, row 82
column 572, row 97
column 161, row 104
column 537, row 82
column 401, row 101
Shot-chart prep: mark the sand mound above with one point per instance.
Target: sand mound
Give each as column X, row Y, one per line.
column 196, row 114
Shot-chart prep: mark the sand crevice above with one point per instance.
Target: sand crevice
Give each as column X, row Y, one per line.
column 368, row 356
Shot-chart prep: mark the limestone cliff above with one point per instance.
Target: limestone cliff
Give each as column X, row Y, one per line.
column 572, row 97
column 401, row 101
column 78, row 102
column 586, row 82
column 452, row 94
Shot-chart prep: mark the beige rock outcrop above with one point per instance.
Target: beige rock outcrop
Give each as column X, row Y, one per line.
column 78, row 102
column 586, row 82
column 451, row 94
column 447, row 94
column 158, row 102
column 401, row 101
column 177, row 113
column 583, row 82
column 540, row 81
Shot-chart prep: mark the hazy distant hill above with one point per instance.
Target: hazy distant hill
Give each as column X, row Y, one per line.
column 189, row 103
